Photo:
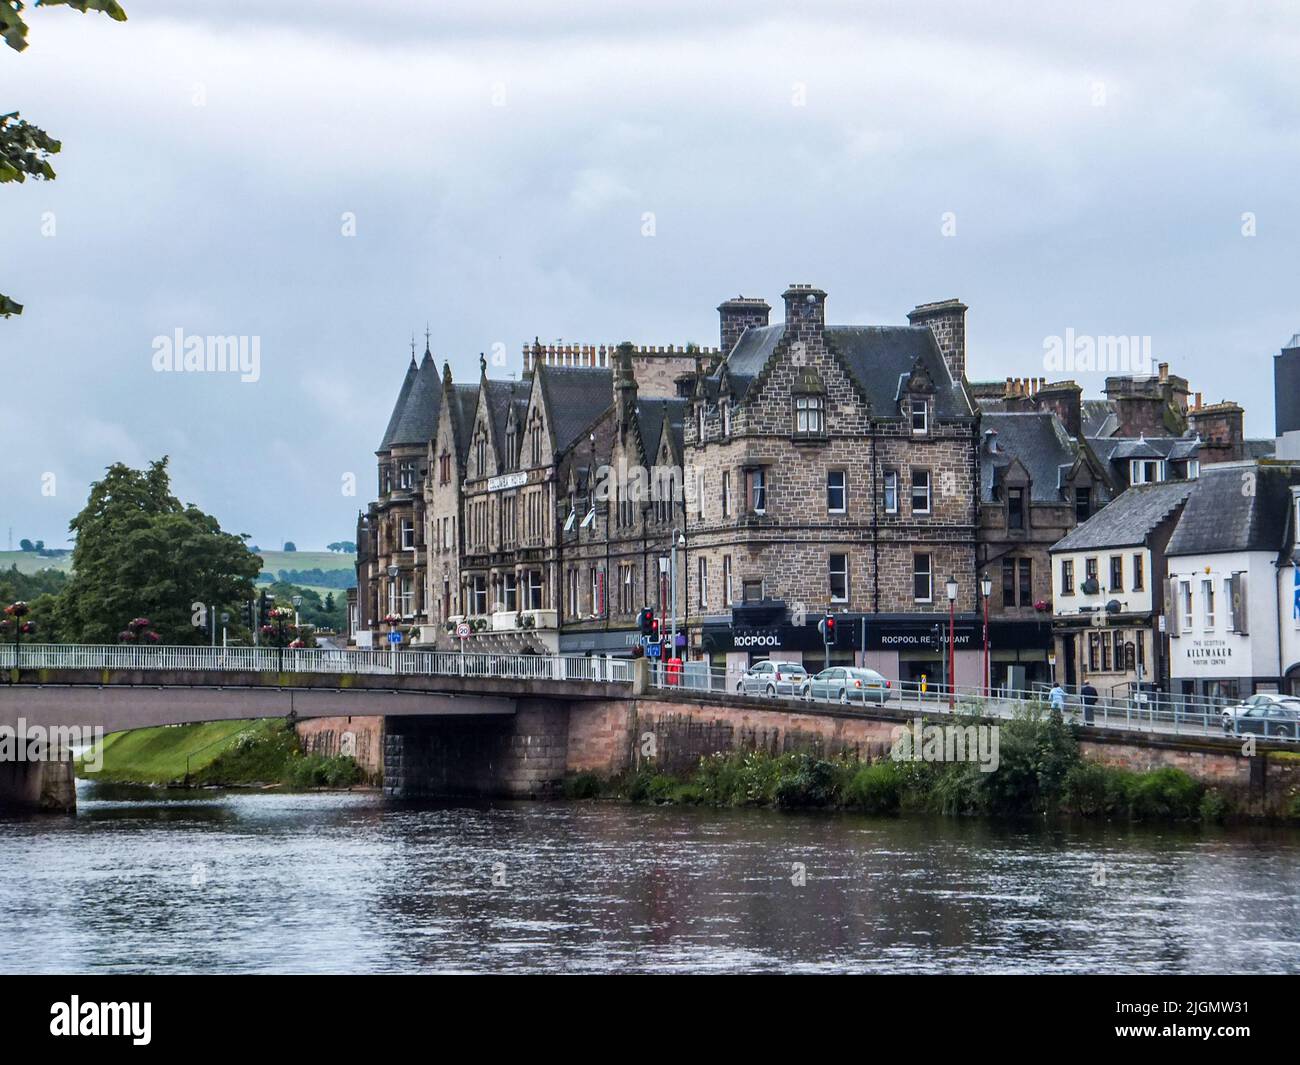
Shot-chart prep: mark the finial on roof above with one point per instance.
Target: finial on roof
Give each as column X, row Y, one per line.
column 482, row 364
column 446, row 374
column 426, row 339
column 412, row 349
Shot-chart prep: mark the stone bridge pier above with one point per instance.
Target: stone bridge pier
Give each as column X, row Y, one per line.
column 49, row 786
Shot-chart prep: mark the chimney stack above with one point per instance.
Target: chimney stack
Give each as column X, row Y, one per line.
column 738, row 315
column 805, row 310
column 947, row 321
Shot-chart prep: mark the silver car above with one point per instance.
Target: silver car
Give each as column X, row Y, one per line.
column 847, row 684
column 772, row 678
column 1266, row 714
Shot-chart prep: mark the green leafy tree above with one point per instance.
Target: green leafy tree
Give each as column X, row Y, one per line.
column 25, row 149
column 140, row 552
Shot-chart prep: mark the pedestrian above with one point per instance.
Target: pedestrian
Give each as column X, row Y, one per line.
column 1056, row 697
column 1089, row 694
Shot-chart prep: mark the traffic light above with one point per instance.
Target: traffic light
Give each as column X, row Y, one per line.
column 265, row 604
column 646, row 619
column 654, row 629
column 827, row 628
column 936, row 634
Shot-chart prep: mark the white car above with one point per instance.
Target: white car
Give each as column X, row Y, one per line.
column 772, row 678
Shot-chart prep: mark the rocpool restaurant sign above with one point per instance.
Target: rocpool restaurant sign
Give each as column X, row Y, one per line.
column 883, row 634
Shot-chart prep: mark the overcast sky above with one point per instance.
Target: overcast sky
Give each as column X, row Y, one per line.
column 500, row 158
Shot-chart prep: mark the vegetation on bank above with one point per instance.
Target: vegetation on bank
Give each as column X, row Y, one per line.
column 219, row 754
column 1040, row 772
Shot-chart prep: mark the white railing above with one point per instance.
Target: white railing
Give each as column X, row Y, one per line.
column 318, row 660
column 1140, row 711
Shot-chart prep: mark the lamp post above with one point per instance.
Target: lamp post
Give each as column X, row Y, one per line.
column 297, row 602
column 679, row 540
column 951, row 589
column 986, row 586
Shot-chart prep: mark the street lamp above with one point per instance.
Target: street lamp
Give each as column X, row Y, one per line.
column 986, row 587
column 393, row 571
column 679, row 540
column 297, row 602
column 951, row 589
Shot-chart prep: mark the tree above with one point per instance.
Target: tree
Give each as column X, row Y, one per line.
column 26, row 545
column 25, row 149
column 141, row 553
column 345, row 546
column 289, row 545
column 329, row 602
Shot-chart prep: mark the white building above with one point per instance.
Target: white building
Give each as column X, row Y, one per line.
column 1231, row 570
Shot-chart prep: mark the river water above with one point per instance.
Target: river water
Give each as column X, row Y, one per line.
column 326, row 883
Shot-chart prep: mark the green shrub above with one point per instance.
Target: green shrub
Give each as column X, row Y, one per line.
column 581, row 786
column 319, row 771
column 1166, row 793
column 1095, row 790
column 1214, row 807
column 805, row 781
column 875, row 788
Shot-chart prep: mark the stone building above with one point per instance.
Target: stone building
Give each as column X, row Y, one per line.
column 834, row 469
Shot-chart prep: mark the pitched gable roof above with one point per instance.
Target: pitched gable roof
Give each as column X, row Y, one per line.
column 1221, row 515
column 575, row 396
column 1128, row 519
column 1039, row 441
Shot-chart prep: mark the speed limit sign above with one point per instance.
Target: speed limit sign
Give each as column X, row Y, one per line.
column 462, row 630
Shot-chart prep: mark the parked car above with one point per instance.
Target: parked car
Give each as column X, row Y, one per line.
column 772, row 678
column 1265, row 714
column 848, row 684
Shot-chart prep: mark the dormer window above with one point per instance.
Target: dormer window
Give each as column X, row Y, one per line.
column 809, row 415
column 1146, row 471
column 920, row 416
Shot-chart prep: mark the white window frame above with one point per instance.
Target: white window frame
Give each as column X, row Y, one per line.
column 831, row 571
column 929, row 575
column 922, row 408
column 843, row 489
column 890, row 488
column 1207, row 603
column 703, row 570
column 929, row 499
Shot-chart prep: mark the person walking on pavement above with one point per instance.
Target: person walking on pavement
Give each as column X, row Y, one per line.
column 1089, row 694
column 1056, row 697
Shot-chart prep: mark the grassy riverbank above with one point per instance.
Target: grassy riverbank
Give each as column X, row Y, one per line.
column 1039, row 773
column 218, row 753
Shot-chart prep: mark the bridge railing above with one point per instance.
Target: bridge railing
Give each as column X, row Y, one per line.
column 1139, row 711
column 172, row 658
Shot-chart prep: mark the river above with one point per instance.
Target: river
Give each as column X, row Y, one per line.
column 332, row 882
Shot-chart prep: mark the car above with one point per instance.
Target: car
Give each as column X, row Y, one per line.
column 772, row 678
column 1266, row 714
column 848, row 684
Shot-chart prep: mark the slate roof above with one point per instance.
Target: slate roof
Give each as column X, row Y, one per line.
column 876, row 356
column 1123, row 448
column 1220, row 517
column 1129, row 518
column 464, row 400
column 403, row 393
column 650, row 416
column 575, row 396
column 1041, row 444
column 1098, row 417
column 419, row 420
column 500, row 396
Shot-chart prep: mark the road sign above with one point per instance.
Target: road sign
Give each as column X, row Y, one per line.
column 462, row 629
column 653, row 650
column 394, row 637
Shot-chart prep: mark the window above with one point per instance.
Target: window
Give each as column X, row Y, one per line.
column 757, row 490
column 922, row 578
column 408, row 534
column 510, row 592
column 920, row 416
column 1117, row 649
column 1185, row 590
column 726, row 493
column 571, row 520
column 571, row 587
column 597, row 592
column 835, row 491
column 478, row 595
column 704, row 582
column 534, row 589
column 1207, row 604
column 1017, row 582
column 752, row 591
column 1104, row 640
column 589, row 519
column 809, row 415
column 699, row 422
column 725, row 406
column 407, row 598
column 839, row 572
column 726, row 580
column 1067, row 576
column 1116, row 573
column 1140, row 650
column 1090, row 576
column 626, row 597
column 1137, row 573
column 444, row 469
column 406, row 474
column 891, row 492
column 1015, row 508
column 920, row 491
column 1146, row 471
column 535, row 442
column 480, row 457
column 1082, row 504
